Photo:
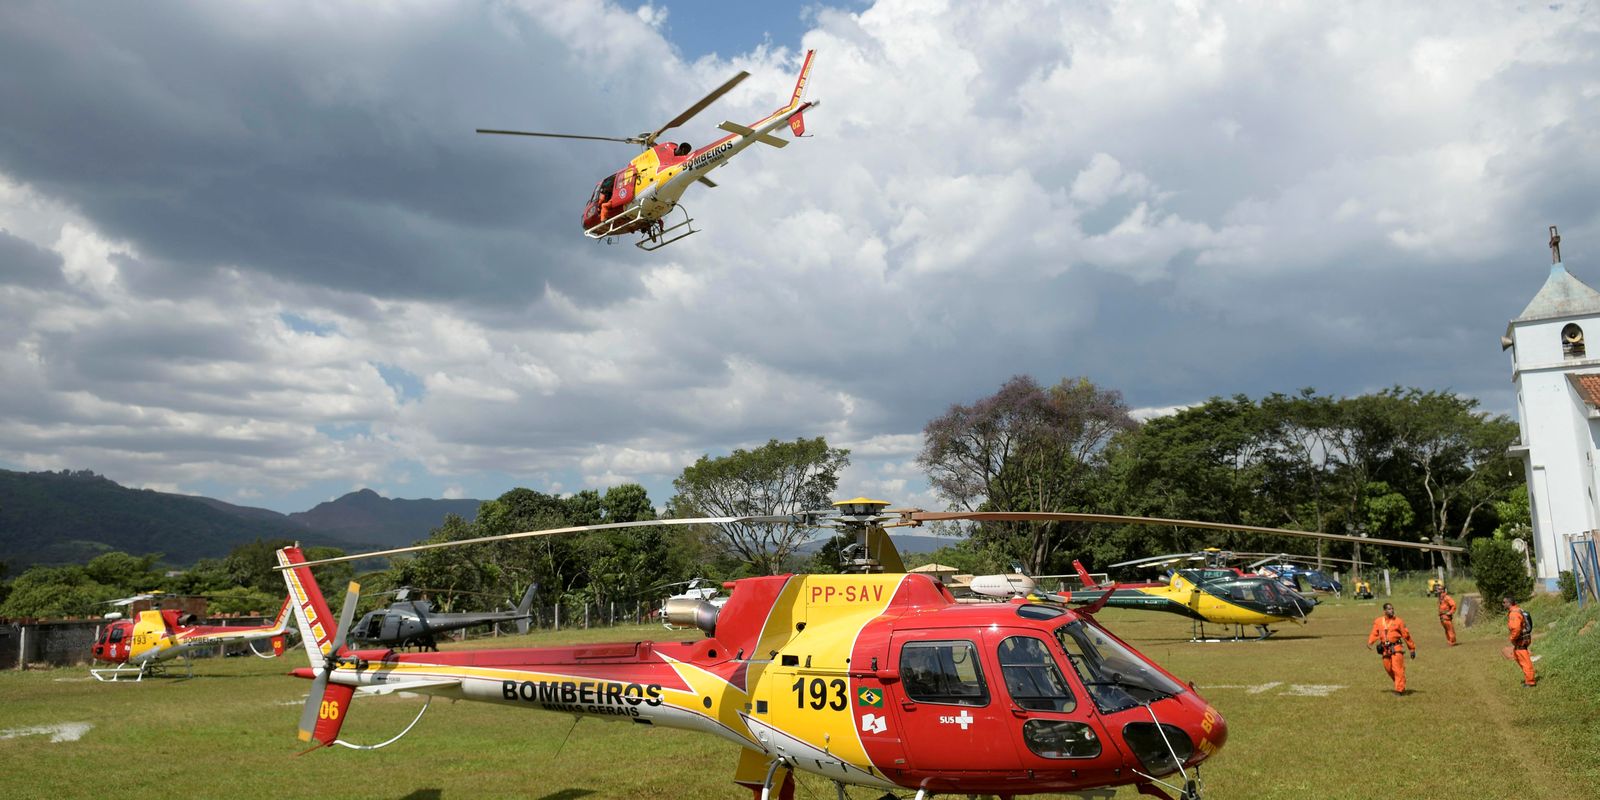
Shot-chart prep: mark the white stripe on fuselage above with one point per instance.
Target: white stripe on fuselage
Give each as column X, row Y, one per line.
column 697, row 167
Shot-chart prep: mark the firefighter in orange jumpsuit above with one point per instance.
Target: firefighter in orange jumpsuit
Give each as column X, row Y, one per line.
column 1520, row 624
column 1391, row 636
column 1447, row 615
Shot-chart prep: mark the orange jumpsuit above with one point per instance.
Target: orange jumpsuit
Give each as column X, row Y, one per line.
column 1393, row 631
column 1520, row 640
column 1447, row 613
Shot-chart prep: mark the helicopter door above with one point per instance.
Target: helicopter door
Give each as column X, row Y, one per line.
column 948, row 714
column 1052, row 719
column 622, row 188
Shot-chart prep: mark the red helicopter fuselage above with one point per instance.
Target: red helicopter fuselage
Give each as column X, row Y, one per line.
column 881, row 680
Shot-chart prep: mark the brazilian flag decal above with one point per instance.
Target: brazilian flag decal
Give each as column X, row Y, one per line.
column 870, row 697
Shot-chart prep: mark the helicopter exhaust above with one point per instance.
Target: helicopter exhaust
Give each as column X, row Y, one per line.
column 692, row 611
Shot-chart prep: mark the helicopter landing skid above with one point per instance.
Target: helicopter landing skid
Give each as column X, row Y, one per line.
column 1197, row 633
column 655, row 236
column 150, row 668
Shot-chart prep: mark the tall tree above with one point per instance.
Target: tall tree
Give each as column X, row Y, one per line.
column 1025, row 448
column 775, row 478
column 1460, row 455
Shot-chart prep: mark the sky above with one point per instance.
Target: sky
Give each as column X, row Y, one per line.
column 255, row 251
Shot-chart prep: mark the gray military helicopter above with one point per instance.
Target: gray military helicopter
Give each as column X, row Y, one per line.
column 413, row 623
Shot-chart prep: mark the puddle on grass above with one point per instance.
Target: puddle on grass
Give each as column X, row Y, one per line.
column 60, row 732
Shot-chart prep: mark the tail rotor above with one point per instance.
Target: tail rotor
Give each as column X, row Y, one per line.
column 326, row 706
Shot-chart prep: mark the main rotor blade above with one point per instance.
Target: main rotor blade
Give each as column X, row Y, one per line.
column 1157, row 560
column 697, row 107
column 780, row 519
column 629, row 140
column 347, row 614
column 1117, row 519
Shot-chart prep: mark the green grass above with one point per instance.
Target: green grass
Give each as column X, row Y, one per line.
column 1467, row 731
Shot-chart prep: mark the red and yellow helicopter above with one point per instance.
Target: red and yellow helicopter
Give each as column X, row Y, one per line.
column 153, row 637
column 638, row 197
column 878, row 678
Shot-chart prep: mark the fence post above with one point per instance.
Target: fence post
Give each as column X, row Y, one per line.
column 1594, row 563
column 1386, row 591
column 586, row 616
column 22, row 647
column 611, row 615
column 558, row 615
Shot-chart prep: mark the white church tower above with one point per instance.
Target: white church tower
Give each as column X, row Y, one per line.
column 1558, row 410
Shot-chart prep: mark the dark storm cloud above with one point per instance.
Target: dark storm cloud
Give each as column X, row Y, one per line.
column 25, row 264
column 341, row 158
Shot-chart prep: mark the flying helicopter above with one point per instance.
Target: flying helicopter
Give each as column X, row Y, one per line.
column 414, row 623
column 877, row 678
column 639, row 197
column 144, row 644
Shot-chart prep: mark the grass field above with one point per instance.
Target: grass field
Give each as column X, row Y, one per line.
column 1310, row 716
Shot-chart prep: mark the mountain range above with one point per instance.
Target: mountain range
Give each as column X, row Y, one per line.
column 71, row 516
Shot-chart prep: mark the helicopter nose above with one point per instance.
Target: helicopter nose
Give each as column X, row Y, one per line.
column 1213, row 738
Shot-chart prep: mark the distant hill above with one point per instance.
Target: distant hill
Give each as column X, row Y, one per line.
column 70, row 517
column 367, row 516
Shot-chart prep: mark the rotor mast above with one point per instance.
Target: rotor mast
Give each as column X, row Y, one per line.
column 872, row 551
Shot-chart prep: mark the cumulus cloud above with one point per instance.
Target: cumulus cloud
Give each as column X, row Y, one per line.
column 257, row 251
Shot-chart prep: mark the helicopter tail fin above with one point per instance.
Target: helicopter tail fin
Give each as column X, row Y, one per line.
column 1083, row 574
column 316, row 622
column 800, row 84
column 525, row 608
column 285, row 618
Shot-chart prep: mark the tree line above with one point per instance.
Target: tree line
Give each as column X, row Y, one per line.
column 1402, row 463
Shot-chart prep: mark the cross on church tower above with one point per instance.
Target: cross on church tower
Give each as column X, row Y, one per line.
column 1555, row 246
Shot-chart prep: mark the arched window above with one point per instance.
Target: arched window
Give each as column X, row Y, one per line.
column 1572, row 341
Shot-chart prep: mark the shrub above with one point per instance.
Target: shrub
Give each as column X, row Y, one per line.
column 1569, row 586
column 1500, row 571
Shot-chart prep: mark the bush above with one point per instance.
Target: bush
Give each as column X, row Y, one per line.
column 1569, row 586
column 1500, row 571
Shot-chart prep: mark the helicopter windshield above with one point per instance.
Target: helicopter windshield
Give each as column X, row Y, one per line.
column 1117, row 678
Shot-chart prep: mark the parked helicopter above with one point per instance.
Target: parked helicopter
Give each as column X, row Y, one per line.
column 144, row 644
column 638, row 198
column 414, row 623
column 1299, row 571
column 878, row 678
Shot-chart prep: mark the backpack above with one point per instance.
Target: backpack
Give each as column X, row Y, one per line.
column 1525, row 638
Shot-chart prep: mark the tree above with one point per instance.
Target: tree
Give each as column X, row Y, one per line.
column 1386, row 512
column 57, row 592
column 134, row 573
column 1025, row 448
column 1500, row 571
column 775, row 478
column 1460, row 456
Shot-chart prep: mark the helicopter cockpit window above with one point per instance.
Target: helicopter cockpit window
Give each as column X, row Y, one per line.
column 943, row 672
column 1117, row 678
column 116, row 634
column 684, row 148
column 1031, row 676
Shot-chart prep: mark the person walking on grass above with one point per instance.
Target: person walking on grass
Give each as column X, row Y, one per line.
column 1520, row 624
column 1447, row 615
column 1391, row 636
